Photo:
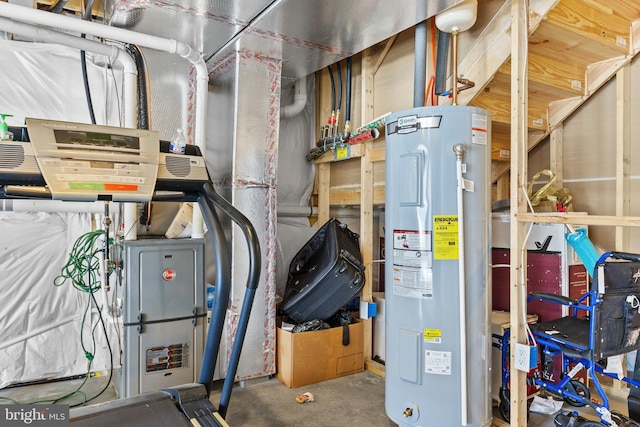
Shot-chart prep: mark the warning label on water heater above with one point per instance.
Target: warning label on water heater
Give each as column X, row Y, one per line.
column 479, row 129
column 437, row 362
column 412, row 264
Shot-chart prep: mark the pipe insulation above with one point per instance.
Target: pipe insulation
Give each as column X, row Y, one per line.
column 442, row 57
column 420, row 68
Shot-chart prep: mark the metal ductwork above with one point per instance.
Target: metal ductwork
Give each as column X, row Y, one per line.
column 313, row 34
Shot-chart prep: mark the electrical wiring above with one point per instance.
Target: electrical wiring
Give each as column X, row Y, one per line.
column 81, row 262
column 339, row 101
column 333, row 89
column 329, row 128
column 523, row 279
column 86, row 15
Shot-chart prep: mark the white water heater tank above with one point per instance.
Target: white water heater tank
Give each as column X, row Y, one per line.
column 437, row 274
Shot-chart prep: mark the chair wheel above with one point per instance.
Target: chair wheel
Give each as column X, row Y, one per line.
column 505, row 405
column 505, row 410
column 576, row 387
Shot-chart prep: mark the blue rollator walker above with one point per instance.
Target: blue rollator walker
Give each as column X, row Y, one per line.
column 602, row 323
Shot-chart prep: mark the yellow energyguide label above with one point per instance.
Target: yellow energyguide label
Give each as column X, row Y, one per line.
column 445, row 237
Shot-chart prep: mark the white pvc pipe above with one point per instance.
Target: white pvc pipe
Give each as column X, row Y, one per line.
column 299, row 100
column 36, row 332
column 459, row 150
column 32, row 205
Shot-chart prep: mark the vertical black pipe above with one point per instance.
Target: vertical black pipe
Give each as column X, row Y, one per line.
column 143, row 100
column 420, row 68
column 347, row 107
column 86, row 16
column 441, row 62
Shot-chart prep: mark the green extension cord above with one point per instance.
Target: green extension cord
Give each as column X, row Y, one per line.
column 82, row 263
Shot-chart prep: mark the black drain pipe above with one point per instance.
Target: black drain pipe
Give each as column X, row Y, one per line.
column 143, row 100
column 441, row 62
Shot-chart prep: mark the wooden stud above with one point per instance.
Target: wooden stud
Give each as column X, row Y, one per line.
column 555, row 156
column 518, row 270
column 623, row 153
column 324, row 185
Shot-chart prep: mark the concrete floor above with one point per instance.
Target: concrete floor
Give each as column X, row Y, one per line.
column 355, row 400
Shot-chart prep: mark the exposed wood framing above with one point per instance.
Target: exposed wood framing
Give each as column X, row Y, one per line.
column 493, row 47
column 623, row 151
column 324, row 185
column 556, row 161
column 622, row 221
column 74, row 6
column 518, row 269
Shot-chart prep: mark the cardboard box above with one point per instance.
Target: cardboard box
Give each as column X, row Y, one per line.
column 309, row 357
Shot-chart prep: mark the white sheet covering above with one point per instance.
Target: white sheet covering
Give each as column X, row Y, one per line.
column 45, row 81
column 39, row 322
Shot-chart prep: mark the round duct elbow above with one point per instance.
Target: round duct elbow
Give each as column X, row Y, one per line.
column 299, row 101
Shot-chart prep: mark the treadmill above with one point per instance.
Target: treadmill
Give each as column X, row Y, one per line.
column 184, row 405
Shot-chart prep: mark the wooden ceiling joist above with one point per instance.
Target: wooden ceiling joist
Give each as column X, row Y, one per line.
column 579, row 18
column 574, row 47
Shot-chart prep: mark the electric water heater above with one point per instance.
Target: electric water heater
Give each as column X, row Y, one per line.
column 437, row 235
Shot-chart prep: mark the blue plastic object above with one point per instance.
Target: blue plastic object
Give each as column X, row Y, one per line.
column 587, row 253
column 211, row 295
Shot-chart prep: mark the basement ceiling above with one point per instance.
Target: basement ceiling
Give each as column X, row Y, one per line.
column 312, row 33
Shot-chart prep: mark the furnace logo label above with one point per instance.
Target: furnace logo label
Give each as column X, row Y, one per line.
column 168, row 274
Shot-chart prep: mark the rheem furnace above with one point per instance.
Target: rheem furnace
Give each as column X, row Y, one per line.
column 164, row 314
